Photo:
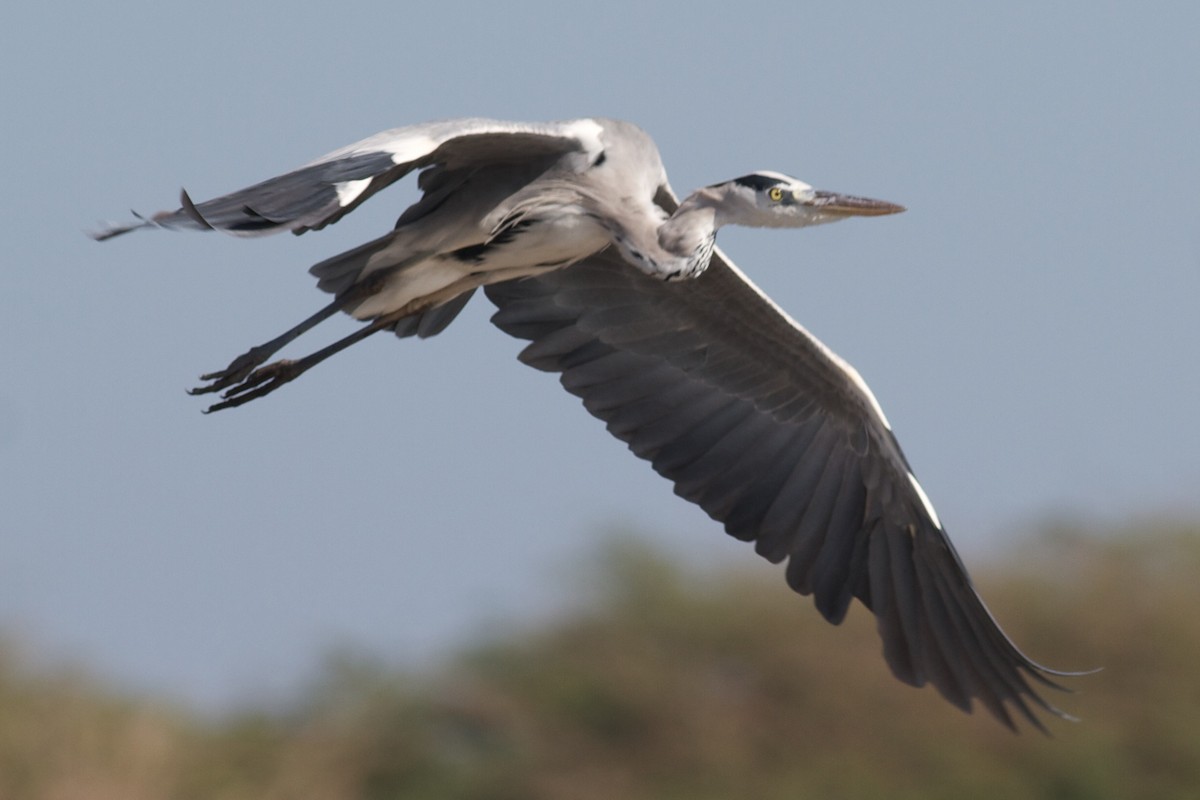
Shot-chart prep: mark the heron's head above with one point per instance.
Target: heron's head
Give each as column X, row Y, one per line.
column 774, row 200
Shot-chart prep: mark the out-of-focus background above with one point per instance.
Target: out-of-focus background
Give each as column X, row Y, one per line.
column 405, row 562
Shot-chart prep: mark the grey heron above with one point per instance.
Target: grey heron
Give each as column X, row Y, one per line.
column 576, row 236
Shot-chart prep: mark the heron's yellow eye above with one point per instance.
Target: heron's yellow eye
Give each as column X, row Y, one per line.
column 775, row 193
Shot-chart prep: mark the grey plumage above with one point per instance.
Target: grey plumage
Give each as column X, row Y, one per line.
column 576, row 236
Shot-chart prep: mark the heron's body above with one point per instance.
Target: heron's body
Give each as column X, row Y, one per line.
column 418, row 278
column 504, row 221
column 580, row 242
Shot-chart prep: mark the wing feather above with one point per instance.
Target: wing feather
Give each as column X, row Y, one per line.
column 768, row 431
column 322, row 192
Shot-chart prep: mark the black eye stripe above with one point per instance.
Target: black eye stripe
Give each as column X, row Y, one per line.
column 759, row 183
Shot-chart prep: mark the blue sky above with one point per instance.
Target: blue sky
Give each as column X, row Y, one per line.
column 1029, row 325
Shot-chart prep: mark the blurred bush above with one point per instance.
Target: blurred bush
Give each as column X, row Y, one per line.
column 676, row 683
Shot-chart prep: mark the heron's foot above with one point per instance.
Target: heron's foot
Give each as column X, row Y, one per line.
column 238, row 371
column 261, row 381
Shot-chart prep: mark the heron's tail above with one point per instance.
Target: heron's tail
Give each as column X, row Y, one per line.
column 337, row 274
column 376, row 260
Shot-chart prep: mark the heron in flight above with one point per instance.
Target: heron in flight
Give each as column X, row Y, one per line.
column 574, row 233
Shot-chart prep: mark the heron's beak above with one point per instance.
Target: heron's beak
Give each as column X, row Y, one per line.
column 851, row 206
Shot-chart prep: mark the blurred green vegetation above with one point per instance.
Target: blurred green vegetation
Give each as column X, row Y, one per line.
column 675, row 683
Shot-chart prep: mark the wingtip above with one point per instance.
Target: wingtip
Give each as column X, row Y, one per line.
column 111, row 230
column 101, row 234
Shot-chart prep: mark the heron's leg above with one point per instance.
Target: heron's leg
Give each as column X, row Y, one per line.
column 267, row 379
column 240, row 368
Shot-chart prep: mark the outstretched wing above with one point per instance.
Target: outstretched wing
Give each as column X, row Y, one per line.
column 768, row 431
column 322, row 192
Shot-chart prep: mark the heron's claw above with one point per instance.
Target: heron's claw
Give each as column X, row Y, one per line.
column 238, row 370
column 261, row 381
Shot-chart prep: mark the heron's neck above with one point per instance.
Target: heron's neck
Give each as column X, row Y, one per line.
column 686, row 231
column 676, row 248
column 689, row 235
